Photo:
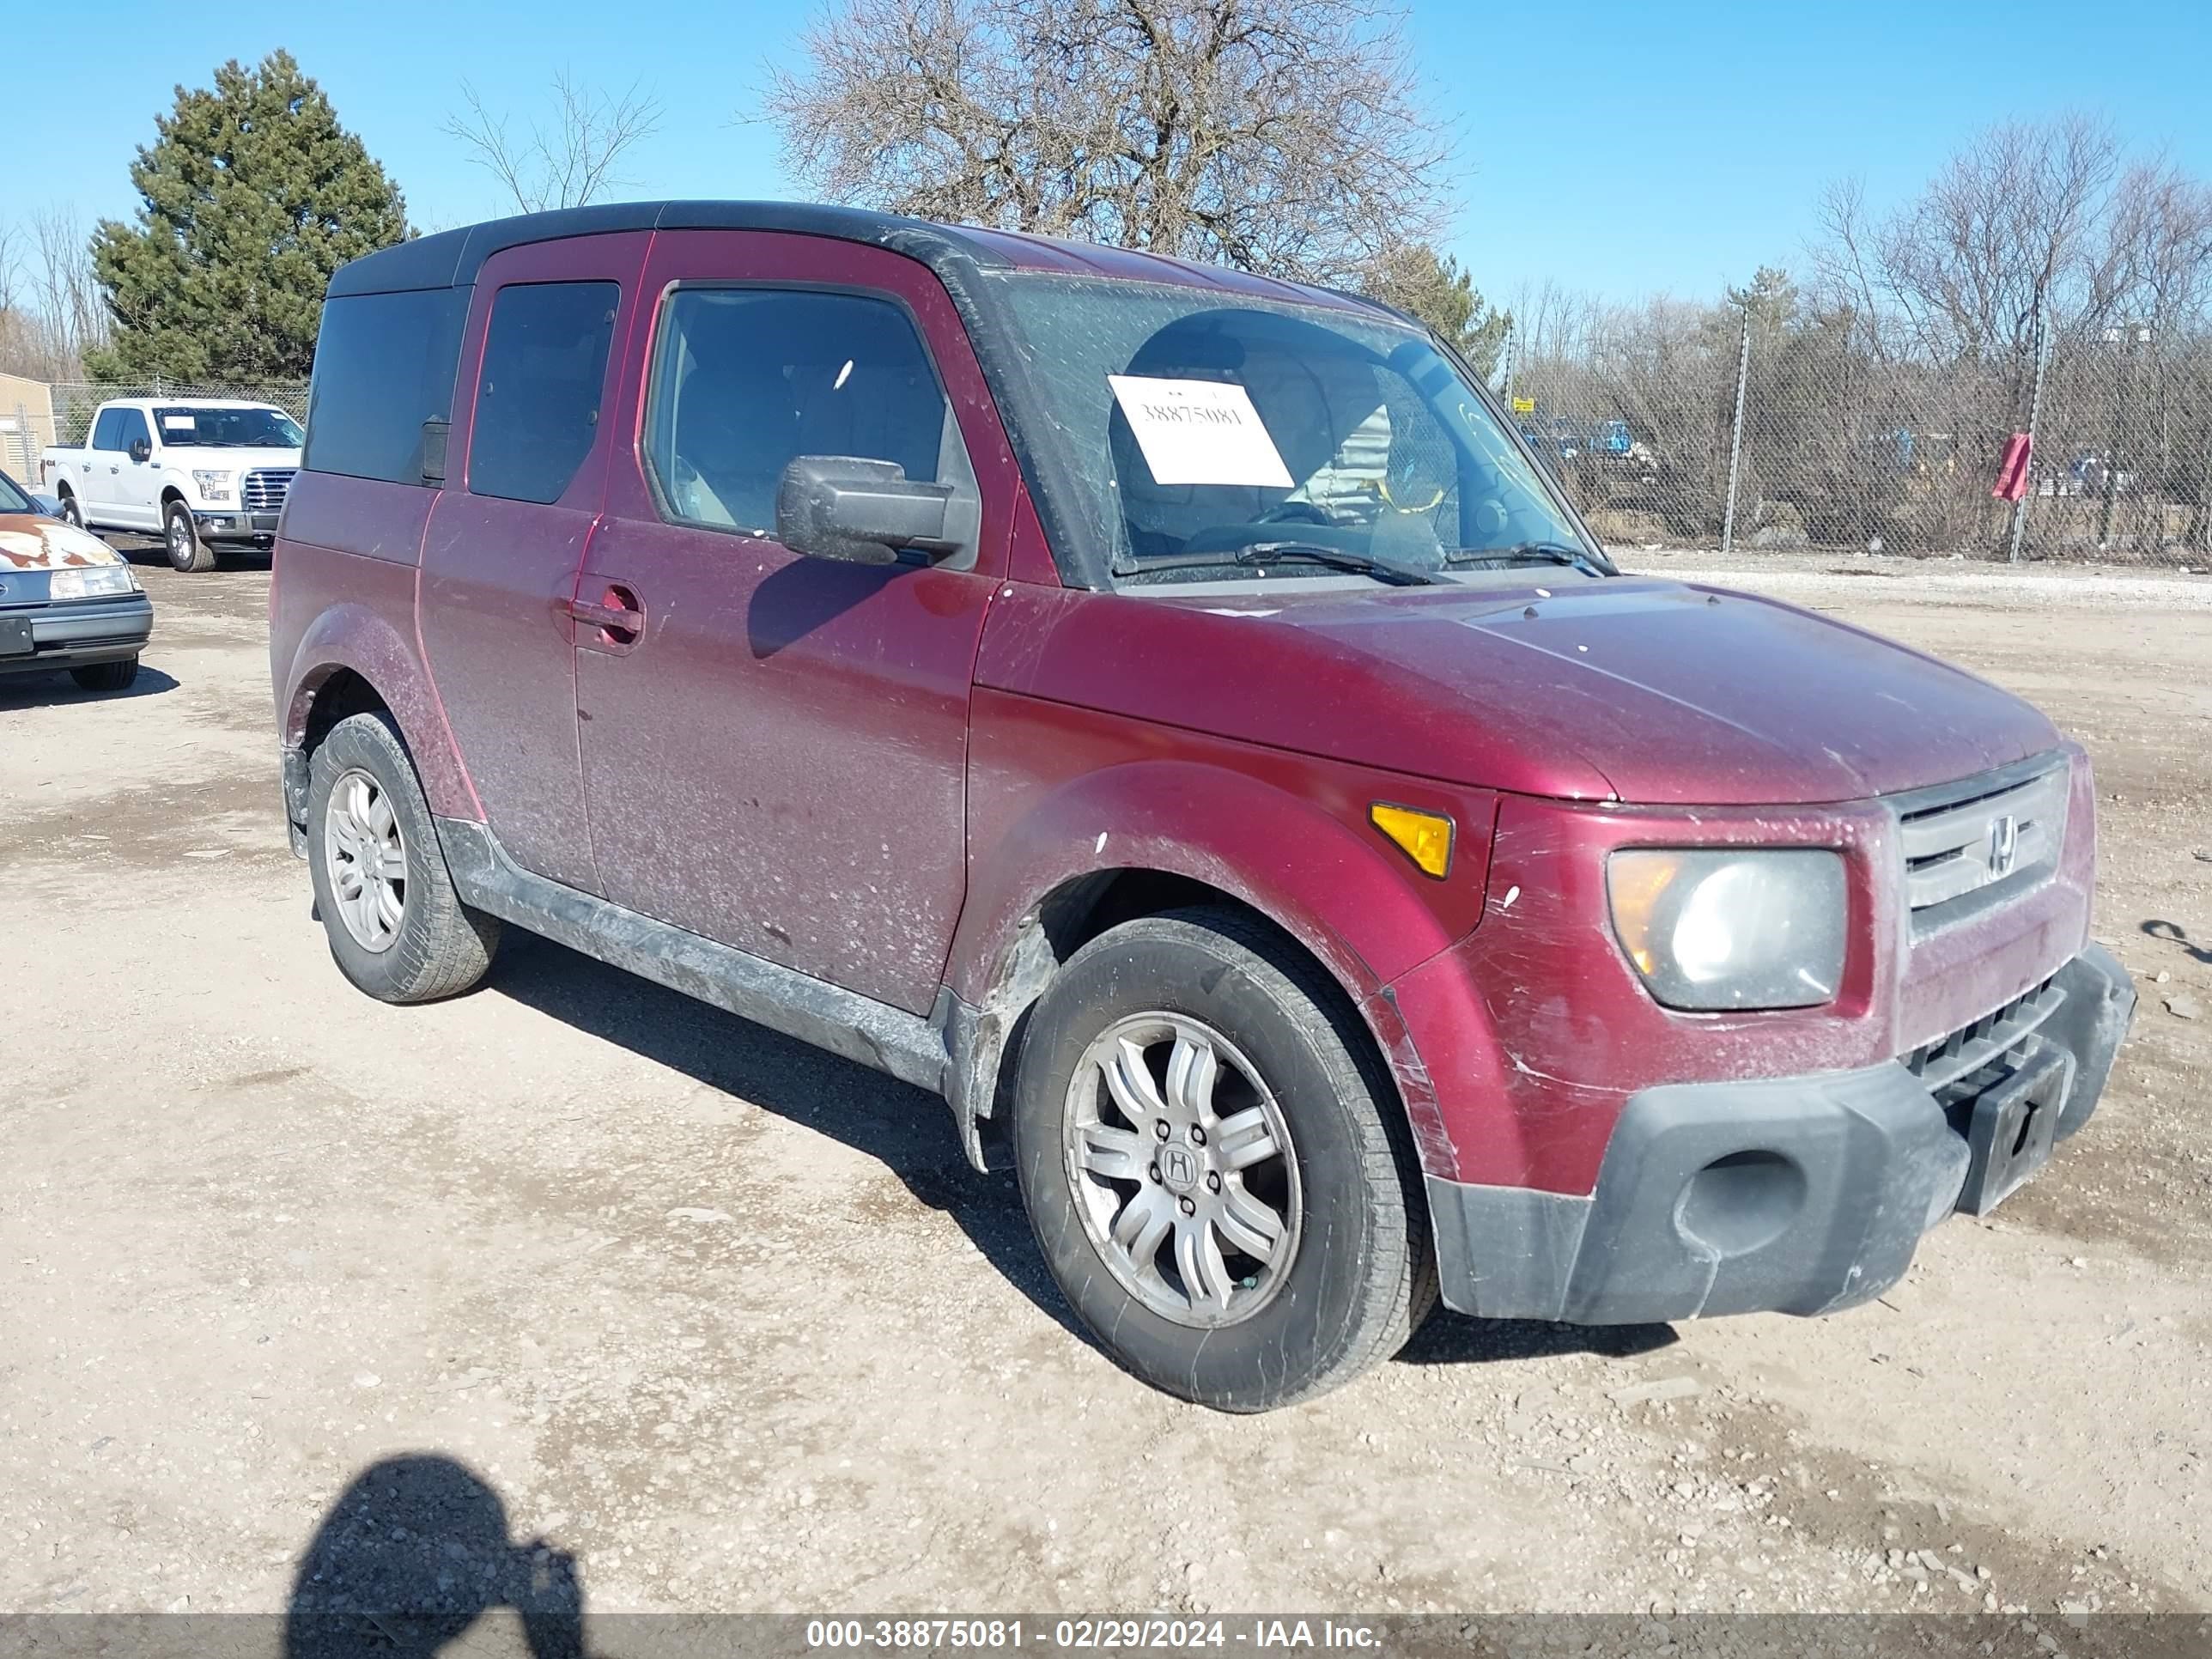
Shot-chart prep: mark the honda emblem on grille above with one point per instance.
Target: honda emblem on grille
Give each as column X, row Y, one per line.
column 2004, row 844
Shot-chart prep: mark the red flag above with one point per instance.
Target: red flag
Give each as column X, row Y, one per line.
column 2012, row 472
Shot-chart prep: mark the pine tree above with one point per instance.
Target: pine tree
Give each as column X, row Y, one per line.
column 1770, row 300
column 1416, row 279
column 252, row 195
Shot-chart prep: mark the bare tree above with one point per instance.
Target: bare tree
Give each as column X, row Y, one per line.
column 2161, row 266
column 2028, row 219
column 1282, row 135
column 1551, row 320
column 18, row 328
column 567, row 159
column 67, row 290
column 50, row 308
column 11, row 264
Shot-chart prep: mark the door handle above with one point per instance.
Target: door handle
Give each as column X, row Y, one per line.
column 614, row 618
column 618, row 616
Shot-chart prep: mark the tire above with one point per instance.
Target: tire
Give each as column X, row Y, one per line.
column 413, row 940
column 180, row 540
column 1352, row 1273
column 71, row 512
column 107, row 676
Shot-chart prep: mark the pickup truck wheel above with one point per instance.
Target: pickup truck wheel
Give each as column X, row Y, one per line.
column 397, row 928
column 71, row 512
column 180, row 538
column 1213, row 1167
column 107, row 676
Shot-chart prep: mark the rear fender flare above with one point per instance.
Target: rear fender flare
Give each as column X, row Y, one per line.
column 354, row 637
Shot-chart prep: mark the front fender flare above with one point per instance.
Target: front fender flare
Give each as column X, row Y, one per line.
column 1346, row 898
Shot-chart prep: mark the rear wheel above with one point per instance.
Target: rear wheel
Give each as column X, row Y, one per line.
column 180, row 539
column 107, row 676
column 71, row 512
column 1213, row 1167
column 396, row 927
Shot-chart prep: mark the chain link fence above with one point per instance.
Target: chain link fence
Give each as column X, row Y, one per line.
column 73, row 401
column 1693, row 426
column 1699, row 427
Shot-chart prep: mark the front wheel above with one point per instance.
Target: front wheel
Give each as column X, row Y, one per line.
column 180, row 539
column 107, row 676
column 1213, row 1165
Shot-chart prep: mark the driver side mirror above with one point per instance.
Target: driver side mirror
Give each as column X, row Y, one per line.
column 864, row 511
column 141, row 450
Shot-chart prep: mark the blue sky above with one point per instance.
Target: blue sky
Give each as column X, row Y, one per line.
column 1618, row 149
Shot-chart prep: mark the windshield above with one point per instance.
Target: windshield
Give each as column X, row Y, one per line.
column 229, row 428
column 1246, row 430
column 13, row 499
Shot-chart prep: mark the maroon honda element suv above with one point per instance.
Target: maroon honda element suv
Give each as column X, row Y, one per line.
column 1171, row 715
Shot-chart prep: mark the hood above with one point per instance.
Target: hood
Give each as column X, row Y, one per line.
column 28, row 542
column 1703, row 695
column 212, row 458
column 1645, row 691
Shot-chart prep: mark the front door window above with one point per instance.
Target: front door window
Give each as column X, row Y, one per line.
column 748, row 379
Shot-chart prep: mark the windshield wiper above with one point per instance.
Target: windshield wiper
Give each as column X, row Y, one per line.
column 1335, row 558
column 1559, row 553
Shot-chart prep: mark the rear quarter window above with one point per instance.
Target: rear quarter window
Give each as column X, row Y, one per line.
column 384, row 365
column 538, row 394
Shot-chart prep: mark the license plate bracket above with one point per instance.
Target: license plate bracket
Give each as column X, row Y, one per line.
column 15, row 636
column 2014, row 1126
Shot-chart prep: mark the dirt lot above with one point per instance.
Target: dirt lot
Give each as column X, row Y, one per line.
column 730, row 1322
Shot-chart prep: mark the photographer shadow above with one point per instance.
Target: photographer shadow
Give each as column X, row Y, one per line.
column 414, row 1553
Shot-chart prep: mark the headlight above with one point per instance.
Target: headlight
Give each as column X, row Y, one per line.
column 214, row 486
column 97, row 582
column 1724, row 929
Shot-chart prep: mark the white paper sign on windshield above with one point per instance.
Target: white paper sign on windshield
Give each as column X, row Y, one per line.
column 178, row 422
column 1198, row 432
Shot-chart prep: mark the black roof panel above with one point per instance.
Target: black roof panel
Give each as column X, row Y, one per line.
column 452, row 257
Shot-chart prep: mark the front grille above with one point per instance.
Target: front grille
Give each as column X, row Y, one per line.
column 1960, row 1066
column 265, row 491
column 1973, row 844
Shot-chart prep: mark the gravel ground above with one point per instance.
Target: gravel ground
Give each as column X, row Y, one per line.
column 1820, row 580
column 726, row 1324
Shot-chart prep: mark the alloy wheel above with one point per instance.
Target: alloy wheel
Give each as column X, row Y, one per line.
column 365, row 857
column 1182, row 1169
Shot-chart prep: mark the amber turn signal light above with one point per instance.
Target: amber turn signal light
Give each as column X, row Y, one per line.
column 1423, row 837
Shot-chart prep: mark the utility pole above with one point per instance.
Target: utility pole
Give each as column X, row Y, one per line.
column 2127, row 337
column 1735, row 442
column 2034, row 414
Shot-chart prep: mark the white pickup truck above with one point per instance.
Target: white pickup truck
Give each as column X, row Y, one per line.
column 199, row 472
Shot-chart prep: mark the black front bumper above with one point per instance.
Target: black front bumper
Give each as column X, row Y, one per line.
column 256, row 529
column 1802, row 1195
column 80, row 633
